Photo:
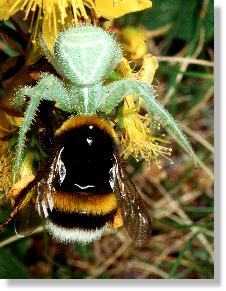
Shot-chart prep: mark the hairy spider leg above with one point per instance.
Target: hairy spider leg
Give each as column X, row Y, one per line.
column 48, row 54
column 47, row 88
column 115, row 92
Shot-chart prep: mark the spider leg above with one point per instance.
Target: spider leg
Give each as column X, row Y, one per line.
column 47, row 88
column 48, row 54
column 51, row 88
column 116, row 91
column 20, row 97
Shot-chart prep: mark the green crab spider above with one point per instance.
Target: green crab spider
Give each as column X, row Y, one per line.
column 85, row 56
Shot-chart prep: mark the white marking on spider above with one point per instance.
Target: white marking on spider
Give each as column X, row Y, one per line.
column 91, row 71
column 86, row 98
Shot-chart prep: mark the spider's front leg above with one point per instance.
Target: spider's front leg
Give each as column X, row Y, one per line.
column 47, row 88
column 116, row 91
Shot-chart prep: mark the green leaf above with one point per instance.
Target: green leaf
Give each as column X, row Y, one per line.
column 11, row 267
column 7, row 49
column 162, row 12
column 9, row 24
column 209, row 21
column 83, row 250
column 176, row 264
column 168, row 221
column 198, row 75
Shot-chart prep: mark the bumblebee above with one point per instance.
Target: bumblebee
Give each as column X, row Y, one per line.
column 83, row 188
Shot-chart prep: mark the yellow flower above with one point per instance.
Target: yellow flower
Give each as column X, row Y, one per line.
column 134, row 42
column 8, row 124
column 49, row 8
column 26, row 176
column 146, row 72
column 48, row 16
column 5, row 168
column 51, row 16
column 4, row 9
column 139, row 140
column 117, row 8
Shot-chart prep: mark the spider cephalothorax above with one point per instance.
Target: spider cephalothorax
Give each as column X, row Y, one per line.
column 85, row 56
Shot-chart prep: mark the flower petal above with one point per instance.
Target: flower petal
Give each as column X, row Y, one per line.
column 117, row 8
column 5, row 8
column 134, row 42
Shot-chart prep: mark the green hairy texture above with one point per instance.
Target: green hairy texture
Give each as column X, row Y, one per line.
column 127, row 87
column 85, row 56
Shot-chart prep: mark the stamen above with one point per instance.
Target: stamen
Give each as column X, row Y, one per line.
column 28, row 9
column 54, row 12
column 138, row 140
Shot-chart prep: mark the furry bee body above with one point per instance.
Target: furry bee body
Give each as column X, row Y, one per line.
column 82, row 189
column 83, row 201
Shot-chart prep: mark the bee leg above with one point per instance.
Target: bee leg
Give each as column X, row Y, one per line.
column 19, row 186
column 10, row 218
column 14, row 211
column 117, row 221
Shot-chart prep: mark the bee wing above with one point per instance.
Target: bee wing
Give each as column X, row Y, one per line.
column 21, row 208
column 36, row 209
column 38, row 201
column 34, row 200
column 28, row 217
column 136, row 219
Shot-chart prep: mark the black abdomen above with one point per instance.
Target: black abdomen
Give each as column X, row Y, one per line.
column 80, row 220
column 85, row 160
column 85, row 145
